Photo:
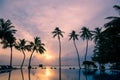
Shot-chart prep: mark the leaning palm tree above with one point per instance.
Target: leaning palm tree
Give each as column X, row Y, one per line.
column 37, row 46
column 57, row 32
column 86, row 35
column 74, row 37
column 22, row 46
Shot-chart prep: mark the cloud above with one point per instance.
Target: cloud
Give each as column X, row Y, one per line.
column 40, row 17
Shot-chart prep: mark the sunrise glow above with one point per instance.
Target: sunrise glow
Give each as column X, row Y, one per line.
column 48, row 56
column 40, row 17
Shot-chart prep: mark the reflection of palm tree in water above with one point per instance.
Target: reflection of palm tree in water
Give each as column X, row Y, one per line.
column 22, row 74
column 9, row 75
column 86, row 77
column 79, row 73
column 28, row 74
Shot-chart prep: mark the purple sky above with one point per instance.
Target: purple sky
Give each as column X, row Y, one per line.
column 39, row 18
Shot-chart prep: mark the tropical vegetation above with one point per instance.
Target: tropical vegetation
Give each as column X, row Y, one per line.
column 107, row 47
column 106, row 42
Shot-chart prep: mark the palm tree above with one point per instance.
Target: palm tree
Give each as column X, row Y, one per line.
column 74, row 37
column 7, row 32
column 9, row 42
column 86, row 35
column 22, row 46
column 57, row 32
column 96, row 34
column 37, row 46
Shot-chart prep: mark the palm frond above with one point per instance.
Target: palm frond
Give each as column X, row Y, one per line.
column 57, row 32
column 117, row 7
column 85, row 33
column 73, row 35
column 112, row 17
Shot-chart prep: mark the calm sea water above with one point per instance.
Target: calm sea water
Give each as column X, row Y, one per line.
column 50, row 73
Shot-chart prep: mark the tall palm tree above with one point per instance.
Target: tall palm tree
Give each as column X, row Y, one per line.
column 96, row 34
column 37, row 46
column 74, row 37
column 86, row 35
column 9, row 42
column 22, row 46
column 57, row 32
column 7, row 32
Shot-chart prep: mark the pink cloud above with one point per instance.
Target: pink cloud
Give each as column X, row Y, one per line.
column 40, row 17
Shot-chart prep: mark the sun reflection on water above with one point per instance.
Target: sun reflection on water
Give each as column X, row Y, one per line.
column 48, row 72
column 45, row 74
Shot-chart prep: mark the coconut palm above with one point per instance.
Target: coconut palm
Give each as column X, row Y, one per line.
column 86, row 35
column 37, row 46
column 96, row 34
column 74, row 37
column 7, row 32
column 57, row 32
column 9, row 42
column 22, row 46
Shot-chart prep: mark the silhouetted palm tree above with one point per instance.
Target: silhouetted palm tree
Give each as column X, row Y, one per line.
column 74, row 37
column 22, row 46
column 86, row 35
column 57, row 32
column 97, row 34
column 9, row 42
column 7, row 32
column 37, row 46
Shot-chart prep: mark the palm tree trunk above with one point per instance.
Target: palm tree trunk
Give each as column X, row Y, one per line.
column 77, row 53
column 59, row 57
column 86, row 51
column 29, row 66
column 11, row 58
column 23, row 59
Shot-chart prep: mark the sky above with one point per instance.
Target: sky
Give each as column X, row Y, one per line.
column 33, row 18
